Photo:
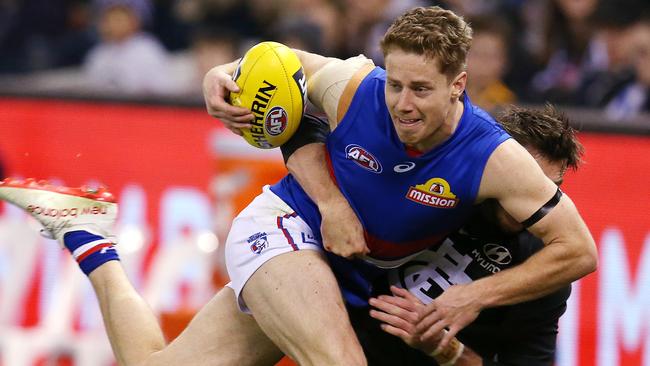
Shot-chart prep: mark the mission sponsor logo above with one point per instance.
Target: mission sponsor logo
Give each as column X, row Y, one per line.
column 434, row 193
column 276, row 121
column 363, row 158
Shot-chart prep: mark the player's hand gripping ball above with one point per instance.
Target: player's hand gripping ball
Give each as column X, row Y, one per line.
column 273, row 86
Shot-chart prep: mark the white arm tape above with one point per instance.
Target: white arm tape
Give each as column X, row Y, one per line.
column 327, row 84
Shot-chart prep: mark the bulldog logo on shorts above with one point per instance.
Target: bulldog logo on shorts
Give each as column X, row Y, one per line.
column 258, row 242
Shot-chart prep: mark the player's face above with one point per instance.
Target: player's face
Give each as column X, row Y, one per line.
column 554, row 170
column 423, row 103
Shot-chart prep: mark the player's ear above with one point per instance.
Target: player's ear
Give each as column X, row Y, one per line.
column 458, row 84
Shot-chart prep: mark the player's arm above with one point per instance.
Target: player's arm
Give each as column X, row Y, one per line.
column 340, row 227
column 304, row 155
column 332, row 82
column 328, row 80
column 218, row 84
column 514, row 178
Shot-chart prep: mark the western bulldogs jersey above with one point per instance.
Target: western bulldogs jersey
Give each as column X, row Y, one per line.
column 405, row 203
column 521, row 334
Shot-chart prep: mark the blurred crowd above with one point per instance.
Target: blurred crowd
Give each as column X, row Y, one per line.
column 589, row 53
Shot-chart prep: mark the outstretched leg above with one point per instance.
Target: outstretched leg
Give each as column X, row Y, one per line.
column 131, row 326
column 219, row 334
column 81, row 220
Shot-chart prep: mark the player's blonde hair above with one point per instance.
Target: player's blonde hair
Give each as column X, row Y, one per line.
column 433, row 32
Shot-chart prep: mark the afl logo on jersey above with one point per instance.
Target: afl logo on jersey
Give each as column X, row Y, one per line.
column 497, row 253
column 363, row 158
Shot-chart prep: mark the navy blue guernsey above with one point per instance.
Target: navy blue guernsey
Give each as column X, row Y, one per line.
column 523, row 334
column 406, row 204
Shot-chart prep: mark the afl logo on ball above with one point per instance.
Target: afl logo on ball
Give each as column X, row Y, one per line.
column 276, row 121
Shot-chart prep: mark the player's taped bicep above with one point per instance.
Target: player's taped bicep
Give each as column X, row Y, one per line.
column 311, row 130
column 544, row 210
column 328, row 84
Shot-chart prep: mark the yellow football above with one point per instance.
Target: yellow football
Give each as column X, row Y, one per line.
column 273, row 86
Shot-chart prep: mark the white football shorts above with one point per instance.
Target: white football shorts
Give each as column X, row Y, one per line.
column 266, row 228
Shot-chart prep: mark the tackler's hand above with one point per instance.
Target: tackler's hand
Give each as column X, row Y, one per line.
column 341, row 229
column 454, row 309
column 399, row 315
column 217, row 86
